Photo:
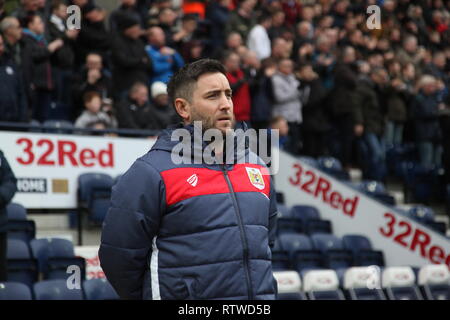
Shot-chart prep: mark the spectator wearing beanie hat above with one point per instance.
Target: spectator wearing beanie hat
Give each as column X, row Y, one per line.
column 127, row 6
column 164, row 113
column 130, row 61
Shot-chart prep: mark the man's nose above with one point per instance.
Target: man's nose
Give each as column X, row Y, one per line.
column 225, row 102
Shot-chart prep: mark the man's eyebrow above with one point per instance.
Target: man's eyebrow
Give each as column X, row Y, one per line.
column 217, row 91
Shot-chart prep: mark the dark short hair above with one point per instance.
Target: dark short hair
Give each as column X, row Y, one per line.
column 88, row 96
column 182, row 83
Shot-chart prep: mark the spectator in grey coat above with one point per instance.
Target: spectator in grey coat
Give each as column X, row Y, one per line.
column 287, row 101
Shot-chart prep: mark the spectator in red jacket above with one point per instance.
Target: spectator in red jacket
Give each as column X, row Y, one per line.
column 239, row 86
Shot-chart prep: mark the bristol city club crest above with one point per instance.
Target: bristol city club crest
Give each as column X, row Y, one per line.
column 256, row 178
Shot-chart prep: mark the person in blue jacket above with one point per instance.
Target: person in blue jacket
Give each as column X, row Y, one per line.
column 192, row 231
column 166, row 61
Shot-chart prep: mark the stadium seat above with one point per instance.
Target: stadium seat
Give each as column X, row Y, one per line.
column 16, row 211
column 94, row 193
column 99, row 289
column 301, row 252
column 289, row 285
column 333, row 167
column 280, row 258
column 310, row 218
column 363, row 283
column 420, row 182
column 435, row 281
column 285, row 223
column 421, row 214
column 18, row 226
column 58, row 126
column 376, row 190
column 399, row 283
column 361, row 248
column 56, row 290
column 21, row 266
column 14, row 291
column 332, row 248
column 55, row 256
column 309, row 161
column 322, row 285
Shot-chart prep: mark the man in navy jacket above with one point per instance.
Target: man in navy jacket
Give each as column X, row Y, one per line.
column 192, row 231
column 8, row 187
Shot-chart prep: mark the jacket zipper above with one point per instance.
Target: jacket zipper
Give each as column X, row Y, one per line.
column 243, row 237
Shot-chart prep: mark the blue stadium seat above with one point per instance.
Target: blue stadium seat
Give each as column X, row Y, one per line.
column 333, row 167
column 309, row 161
column 16, row 211
column 363, row 283
column 421, row 214
column 18, row 226
column 14, row 291
column 301, row 252
column 58, row 126
column 376, row 190
column 280, row 258
column 363, row 253
column 322, row 285
column 21, row 266
column 335, row 255
column 55, row 256
column 94, row 194
column 310, row 218
column 99, row 289
column 397, row 155
column 420, row 182
column 435, row 281
column 399, row 283
column 56, row 290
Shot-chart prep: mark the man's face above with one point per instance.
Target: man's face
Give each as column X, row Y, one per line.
column 15, row 31
column 157, row 37
column 232, row 63
column 286, row 67
column 133, row 32
column 140, row 96
column 94, row 61
column 37, row 25
column 211, row 103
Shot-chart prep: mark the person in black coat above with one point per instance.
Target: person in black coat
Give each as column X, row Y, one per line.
column 135, row 111
column 93, row 35
column 92, row 77
column 315, row 122
column 131, row 62
column 425, row 112
column 13, row 102
column 8, row 187
column 128, row 6
column 63, row 59
column 36, row 65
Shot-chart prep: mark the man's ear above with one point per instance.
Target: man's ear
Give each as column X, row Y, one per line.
column 183, row 109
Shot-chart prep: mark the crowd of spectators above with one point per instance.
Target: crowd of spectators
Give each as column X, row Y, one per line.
column 313, row 69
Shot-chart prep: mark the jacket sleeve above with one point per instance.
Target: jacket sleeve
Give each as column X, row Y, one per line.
column 273, row 214
column 129, row 227
column 8, row 182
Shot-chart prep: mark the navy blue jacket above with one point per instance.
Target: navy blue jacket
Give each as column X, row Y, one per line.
column 8, row 187
column 190, row 231
column 425, row 111
column 13, row 103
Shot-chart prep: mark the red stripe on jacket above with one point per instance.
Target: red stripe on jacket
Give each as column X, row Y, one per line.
column 180, row 182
